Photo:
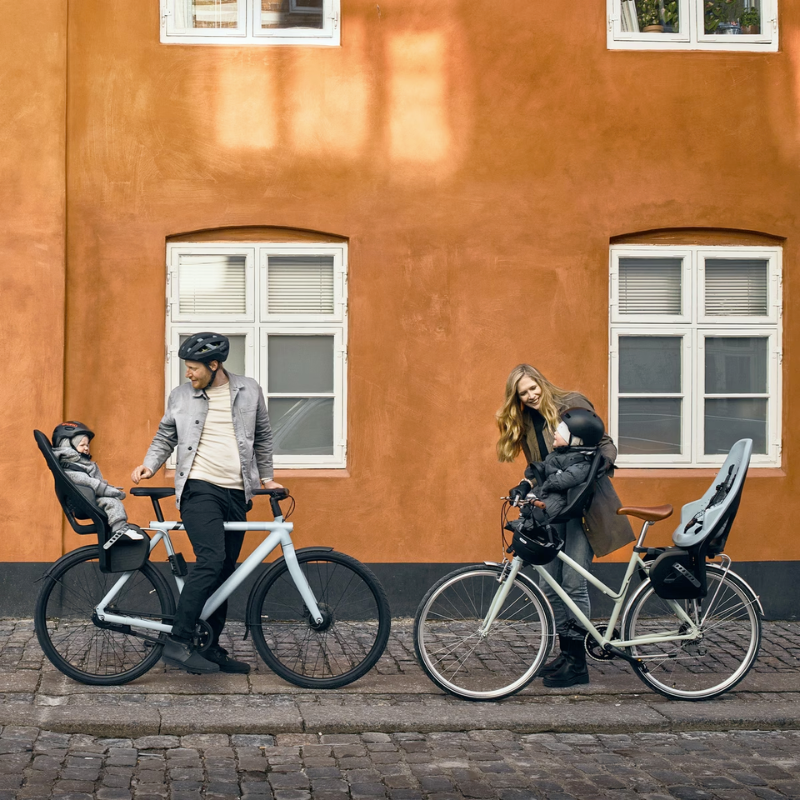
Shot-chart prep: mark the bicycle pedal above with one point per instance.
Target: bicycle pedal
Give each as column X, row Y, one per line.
column 113, row 539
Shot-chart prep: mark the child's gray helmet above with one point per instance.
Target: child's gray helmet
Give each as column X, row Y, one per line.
column 584, row 424
column 70, row 429
column 205, row 347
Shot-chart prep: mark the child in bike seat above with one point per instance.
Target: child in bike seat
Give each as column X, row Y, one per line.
column 71, row 448
column 564, row 468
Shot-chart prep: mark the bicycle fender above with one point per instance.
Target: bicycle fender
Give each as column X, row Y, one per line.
column 85, row 548
column 276, row 565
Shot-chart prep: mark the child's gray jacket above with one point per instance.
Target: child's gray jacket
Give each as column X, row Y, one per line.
column 564, row 468
column 82, row 471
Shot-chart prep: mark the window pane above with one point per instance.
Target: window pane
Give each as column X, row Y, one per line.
column 649, row 364
column 301, row 364
column 650, row 285
column 736, row 287
column 727, row 421
column 649, row 426
column 234, row 362
column 191, row 14
column 300, row 285
column 736, row 365
column 213, row 285
column 651, row 16
column 301, row 426
column 291, row 14
column 733, row 16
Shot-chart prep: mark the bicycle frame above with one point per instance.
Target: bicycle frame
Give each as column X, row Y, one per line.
column 619, row 598
column 279, row 534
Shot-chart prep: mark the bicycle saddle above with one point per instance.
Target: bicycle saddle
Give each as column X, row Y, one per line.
column 153, row 491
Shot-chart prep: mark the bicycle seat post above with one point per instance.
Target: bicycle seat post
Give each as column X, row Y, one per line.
column 157, row 508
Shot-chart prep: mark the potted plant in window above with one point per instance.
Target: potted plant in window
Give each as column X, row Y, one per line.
column 671, row 20
column 722, row 17
column 750, row 21
column 649, row 14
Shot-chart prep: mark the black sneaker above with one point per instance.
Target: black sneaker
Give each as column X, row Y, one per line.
column 178, row 653
column 219, row 655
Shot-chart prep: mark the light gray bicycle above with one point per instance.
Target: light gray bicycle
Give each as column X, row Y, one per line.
column 319, row 619
column 691, row 630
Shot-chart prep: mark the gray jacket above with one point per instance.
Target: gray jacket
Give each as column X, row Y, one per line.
column 83, row 471
column 183, row 423
column 564, row 469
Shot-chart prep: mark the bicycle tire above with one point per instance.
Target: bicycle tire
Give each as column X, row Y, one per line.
column 354, row 633
column 704, row 668
column 79, row 647
column 450, row 649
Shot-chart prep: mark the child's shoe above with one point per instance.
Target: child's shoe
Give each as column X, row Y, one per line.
column 134, row 534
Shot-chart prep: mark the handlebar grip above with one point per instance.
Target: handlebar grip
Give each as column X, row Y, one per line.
column 278, row 494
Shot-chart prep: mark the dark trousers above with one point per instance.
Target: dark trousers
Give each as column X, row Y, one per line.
column 204, row 509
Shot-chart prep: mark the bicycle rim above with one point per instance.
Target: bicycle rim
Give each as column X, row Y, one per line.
column 354, row 632
column 77, row 646
column 710, row 665
column 465, row 663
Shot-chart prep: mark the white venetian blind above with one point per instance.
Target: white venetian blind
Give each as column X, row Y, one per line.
column 300, row 285
column 736, row 287
column 212, row 285
column 650, row 286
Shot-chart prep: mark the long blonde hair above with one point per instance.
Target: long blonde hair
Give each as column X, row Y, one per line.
column 511, row 418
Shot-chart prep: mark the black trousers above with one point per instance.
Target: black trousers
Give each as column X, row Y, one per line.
column 204, row 509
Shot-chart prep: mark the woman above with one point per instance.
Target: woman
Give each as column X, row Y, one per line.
column 527, row 421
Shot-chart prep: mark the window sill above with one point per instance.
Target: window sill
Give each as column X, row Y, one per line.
column 701, row 472
column 292, row 473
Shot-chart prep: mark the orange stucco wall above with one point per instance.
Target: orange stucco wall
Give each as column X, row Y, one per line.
column 477, row 163
column 33, row 40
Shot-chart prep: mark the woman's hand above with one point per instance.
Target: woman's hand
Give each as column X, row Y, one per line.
column 520, row 490
column 141, row 472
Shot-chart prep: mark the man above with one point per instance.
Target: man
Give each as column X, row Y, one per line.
column 218, row 422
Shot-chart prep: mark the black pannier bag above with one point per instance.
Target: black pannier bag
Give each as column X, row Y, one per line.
column 678, row 574
column 78, row 503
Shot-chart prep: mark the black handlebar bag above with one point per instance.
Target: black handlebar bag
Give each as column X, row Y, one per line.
column 78, row 503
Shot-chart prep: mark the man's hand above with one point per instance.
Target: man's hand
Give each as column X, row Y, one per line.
column 271, row 485
column 141, row 472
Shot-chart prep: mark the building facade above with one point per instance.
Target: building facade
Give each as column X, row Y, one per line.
column 387, row 207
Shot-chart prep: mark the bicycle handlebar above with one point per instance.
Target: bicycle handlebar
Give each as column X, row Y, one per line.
column 156, row 493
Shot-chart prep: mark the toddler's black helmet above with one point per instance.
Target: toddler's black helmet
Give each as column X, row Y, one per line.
column 584, row 424
column 205, row 347
column 70, row 429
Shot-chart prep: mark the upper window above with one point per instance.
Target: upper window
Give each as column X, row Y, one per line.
column 695, row 354
column 749, row 25
column 250, row 22
column 284, row 309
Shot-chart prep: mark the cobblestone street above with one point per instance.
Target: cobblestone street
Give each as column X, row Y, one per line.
column 402, row 766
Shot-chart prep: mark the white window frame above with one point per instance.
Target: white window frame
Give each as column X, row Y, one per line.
column 258, row 325
column 694, row 36
column 694, row 330
column 249, row 31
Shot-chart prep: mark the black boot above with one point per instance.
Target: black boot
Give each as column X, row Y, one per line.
column 573, row 671
column 555, row 664
column 219, row 655
column 180, row 653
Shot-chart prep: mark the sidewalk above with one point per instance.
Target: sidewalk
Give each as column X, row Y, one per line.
column 395, row 697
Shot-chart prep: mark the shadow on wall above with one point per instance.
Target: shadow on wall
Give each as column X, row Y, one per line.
column 411, row 114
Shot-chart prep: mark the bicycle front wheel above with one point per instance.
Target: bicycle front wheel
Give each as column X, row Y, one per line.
column 727, row 647
column 462, row 660
column 353, row 633
column 76, row 642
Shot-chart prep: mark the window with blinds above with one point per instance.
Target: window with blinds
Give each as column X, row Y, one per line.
column 300, row 285
column 695, row 351
column 284, row 309
column 212, row 285
column 736, row 287
column 650, row 285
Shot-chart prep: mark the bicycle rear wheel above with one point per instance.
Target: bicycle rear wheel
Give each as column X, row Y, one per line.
column 454, row 654
column 730, row 625
column 353, row 633
column 81, row 647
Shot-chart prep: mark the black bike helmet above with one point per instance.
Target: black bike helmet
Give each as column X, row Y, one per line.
column 205, row 347
column 584, row 424
column 70, row 429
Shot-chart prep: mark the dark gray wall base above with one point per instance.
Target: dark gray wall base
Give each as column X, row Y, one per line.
column 776, row 582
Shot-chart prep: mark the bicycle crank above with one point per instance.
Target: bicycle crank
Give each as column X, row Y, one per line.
column 593, row 649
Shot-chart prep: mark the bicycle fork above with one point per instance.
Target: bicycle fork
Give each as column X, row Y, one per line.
column 506, row 579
